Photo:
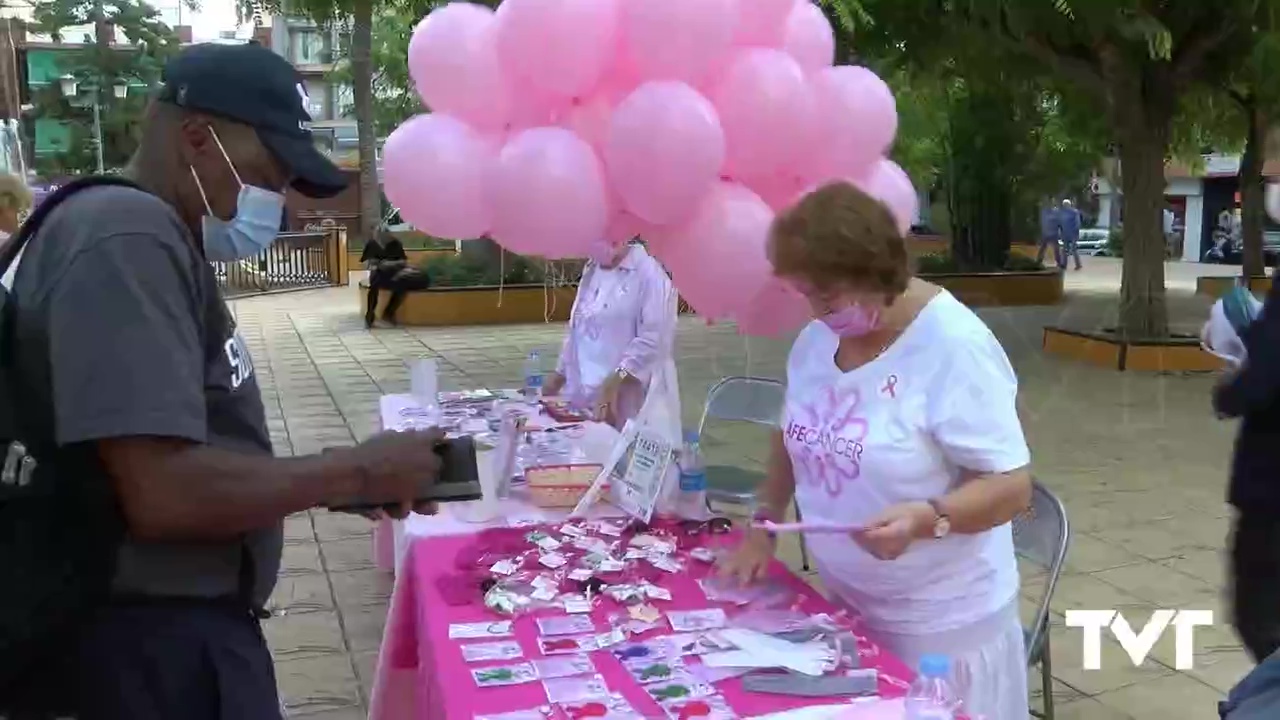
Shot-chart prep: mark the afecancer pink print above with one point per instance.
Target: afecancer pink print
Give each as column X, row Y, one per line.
column 826, row 433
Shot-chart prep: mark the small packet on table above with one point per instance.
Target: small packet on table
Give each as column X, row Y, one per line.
column 614, row 707
column 502, row 650
column 472, row 631
column 575, row 689
column 712, row 707
column 565, row 625
column 649, row 671
column 567, row 666
column 568, row 645
column 696, row 620
column 504, row 675
column 700, row 643
column 679, row 689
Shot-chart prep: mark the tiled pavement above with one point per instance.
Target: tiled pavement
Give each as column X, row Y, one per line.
column 1138, row 459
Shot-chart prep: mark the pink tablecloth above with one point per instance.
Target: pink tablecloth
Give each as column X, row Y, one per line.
column 421, row 673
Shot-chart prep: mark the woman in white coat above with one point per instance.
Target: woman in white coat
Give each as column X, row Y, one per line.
column 620, row 333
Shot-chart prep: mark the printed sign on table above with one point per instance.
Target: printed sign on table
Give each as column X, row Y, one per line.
column 636, row 479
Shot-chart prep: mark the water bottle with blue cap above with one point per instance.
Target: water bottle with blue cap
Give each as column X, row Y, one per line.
column 692, row 502
column 931, row 696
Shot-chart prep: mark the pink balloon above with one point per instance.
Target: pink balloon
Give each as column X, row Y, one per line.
column 809, row 37
column 454, row 64
column 890, row 184
column 775, row 311
column 624, row 226
column 857, row 118
column 780, row 191
column 664, row 150
column 548, row 195
column 433, row 170
column 767, row 110
column 677, row 39
column 589, row 119
column 561, row 47
column 717, row 259
column 761, row 23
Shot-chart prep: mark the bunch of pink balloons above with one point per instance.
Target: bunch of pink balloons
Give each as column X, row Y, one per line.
column 687, row 122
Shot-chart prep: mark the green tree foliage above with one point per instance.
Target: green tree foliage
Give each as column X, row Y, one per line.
column 136, row 61
column 1130, row 61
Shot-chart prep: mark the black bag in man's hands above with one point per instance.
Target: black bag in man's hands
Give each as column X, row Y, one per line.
column 60, row 525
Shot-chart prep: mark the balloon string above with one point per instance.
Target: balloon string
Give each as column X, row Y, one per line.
column 746, row 344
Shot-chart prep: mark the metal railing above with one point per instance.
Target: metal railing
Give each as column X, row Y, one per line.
column 296, row 261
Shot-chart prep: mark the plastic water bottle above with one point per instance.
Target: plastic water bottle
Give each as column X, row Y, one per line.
column 692, row 503
column 533, row 376
column 931, row 696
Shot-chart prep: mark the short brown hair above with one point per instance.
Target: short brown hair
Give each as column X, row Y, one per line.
column 838, row 236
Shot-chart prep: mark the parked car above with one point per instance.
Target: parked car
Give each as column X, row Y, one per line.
column 1093, row 241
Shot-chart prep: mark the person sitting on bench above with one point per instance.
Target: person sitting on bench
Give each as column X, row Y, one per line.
column 390, row 270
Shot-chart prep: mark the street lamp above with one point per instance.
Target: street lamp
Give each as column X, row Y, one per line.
column 70, row 88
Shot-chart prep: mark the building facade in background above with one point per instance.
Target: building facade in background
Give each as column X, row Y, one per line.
column 314, row 51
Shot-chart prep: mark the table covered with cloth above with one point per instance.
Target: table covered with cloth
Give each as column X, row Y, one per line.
column 422, row 674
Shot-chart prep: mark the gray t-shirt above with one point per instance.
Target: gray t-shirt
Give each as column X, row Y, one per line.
column 141, row 344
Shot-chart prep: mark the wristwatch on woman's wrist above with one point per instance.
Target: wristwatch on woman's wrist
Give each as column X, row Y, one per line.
column 941, row 522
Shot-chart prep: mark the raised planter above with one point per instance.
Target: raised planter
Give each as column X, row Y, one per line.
column 918, row 245
column 1035, row 287
column 1105, row 349
column 1215, row 286
column 416, row 257
column 490, row 305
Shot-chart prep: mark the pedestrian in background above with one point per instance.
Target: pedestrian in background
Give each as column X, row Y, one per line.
column 1069, row 227
column 1049, row 235
column 15, row 201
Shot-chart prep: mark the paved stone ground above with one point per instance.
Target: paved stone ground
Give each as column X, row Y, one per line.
column 1139, row 460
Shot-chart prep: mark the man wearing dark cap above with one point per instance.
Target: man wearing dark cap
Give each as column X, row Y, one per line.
column 147, row 368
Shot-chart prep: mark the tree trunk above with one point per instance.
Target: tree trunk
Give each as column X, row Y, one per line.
column 1143, row 138
column 1251, row 191
column 1141, row 102
column 362, row 95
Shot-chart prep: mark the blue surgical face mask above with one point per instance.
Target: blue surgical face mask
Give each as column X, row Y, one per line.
column 254, row 227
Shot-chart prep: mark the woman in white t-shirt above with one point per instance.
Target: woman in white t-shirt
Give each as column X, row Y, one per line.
column 901, row 420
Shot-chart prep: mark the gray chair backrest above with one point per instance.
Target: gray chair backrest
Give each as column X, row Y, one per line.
column 745, row 399
column 1041, row 535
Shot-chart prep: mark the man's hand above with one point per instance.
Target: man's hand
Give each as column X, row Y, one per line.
column 553, row 384
column 393, row 467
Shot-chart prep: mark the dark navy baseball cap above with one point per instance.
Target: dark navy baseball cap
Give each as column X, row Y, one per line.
column 249, row 84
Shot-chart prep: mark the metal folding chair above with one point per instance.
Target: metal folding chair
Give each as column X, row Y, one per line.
column 1041, row 536
column 745, row 400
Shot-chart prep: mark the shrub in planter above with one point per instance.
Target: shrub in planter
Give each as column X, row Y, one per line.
column 471, row 271
column 945, row 263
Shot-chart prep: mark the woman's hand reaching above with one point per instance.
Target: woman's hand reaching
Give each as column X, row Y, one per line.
column 749, row 562
column 553, row 385
column 892, row 532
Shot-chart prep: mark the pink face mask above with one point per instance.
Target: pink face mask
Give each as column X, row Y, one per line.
column 852, row 321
